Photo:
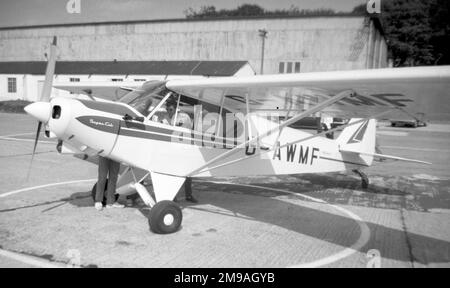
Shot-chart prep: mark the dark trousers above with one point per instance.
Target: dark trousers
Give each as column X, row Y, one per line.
column 107, row 169
column 188, row 187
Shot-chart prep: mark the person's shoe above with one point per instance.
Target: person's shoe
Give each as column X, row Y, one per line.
column 115, row 205
column 191, row 199
column 98, row 206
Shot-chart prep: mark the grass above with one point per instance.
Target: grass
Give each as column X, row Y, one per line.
column 13, row 106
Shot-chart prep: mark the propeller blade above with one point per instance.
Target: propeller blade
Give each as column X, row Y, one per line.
column 45, row 97
column 49, row 73
column 34, row 148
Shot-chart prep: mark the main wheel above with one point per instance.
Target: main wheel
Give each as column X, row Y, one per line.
column 94, row 191
column 165, row 217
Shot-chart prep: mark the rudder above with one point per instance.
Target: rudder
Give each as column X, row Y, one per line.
column 359, row 139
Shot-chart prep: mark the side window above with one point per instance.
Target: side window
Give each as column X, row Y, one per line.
column 177, row 111
column 12, row 85
column 189, row 113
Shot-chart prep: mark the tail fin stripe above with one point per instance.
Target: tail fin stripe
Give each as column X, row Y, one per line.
column 359, row 134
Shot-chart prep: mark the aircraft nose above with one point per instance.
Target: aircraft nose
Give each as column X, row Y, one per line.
column 39, row 110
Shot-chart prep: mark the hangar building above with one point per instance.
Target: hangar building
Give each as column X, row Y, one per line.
column 293, row 44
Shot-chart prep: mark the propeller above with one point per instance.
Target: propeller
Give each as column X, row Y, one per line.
column 34, row 148
column 41, row 110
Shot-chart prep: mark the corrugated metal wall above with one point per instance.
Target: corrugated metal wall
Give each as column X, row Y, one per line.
column 317, row 43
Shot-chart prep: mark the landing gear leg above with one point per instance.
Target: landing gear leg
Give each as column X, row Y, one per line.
column 364, row 178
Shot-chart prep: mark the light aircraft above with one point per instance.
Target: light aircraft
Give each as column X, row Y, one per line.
column 236, row 127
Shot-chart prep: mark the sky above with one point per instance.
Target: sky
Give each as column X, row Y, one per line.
column 39, row 12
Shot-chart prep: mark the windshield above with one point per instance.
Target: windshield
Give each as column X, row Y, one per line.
column 145, row 99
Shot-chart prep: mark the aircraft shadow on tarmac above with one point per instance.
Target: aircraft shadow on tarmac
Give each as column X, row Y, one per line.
column 412, row 247
column 299, row 219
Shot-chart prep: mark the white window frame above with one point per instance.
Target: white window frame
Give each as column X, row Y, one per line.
column 12, row 85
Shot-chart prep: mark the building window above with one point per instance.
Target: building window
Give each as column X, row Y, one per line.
column 12, row 85
column 281, row 68
column 74, row 80
column 289, row 67
column 116, row 79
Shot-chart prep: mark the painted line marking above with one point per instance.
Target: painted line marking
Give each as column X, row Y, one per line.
column 44, row 186
column 360, row 243
column 27, row 259
column 15, row 135
column 393, row 133
column 25, row 140
column 414, row 148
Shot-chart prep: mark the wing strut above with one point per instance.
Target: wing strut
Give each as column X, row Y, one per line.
column 219, row 118
column 295, row 142
column 316, row 108
column 159, row 105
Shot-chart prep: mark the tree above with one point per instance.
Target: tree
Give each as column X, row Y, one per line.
column 210, row 11
column 416, row 31
column 440, row 37
column 251, row 10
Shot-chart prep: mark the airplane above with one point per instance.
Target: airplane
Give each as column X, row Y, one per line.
column 236, row 128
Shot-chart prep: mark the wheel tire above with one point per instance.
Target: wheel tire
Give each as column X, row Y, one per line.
column 165, row 217
column 94, row 191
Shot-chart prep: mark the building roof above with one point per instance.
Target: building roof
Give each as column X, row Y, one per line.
column 203, row 68
column 202, row 19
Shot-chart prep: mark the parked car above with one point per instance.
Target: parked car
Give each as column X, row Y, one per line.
column 415, row 122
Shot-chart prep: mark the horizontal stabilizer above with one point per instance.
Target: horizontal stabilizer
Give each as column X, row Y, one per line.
column 382, row 156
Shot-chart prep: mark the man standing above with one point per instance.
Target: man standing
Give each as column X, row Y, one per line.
column 107, row 166
column 182, row 120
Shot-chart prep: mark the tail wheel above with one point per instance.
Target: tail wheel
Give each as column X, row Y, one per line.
column 165, row 217
column 94, row 191
column 364, row 178
column 364, row 182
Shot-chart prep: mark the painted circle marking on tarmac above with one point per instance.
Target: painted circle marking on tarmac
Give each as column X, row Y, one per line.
column 43, row 186
column 25, row 258
column 361, row 242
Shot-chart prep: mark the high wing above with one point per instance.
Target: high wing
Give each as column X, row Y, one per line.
column 416, row 90
column 112, row 91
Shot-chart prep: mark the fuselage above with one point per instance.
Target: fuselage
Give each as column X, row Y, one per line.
column 96, row 127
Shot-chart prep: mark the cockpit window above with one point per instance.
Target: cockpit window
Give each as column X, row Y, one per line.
column 145, row 99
